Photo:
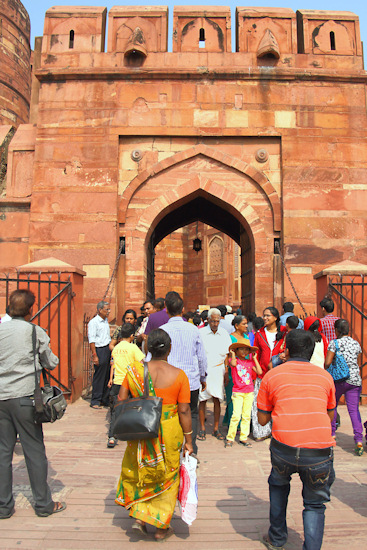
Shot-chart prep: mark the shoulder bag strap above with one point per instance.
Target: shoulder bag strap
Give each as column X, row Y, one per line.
column 146, row 380
column 37, row 390
column 337, row 349
column 266, row 342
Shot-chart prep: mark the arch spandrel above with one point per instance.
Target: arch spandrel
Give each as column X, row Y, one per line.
column 142, row 222
column 258, row 178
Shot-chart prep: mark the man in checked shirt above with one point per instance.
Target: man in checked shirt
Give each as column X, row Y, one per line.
column 328, row 321
column 187, row 353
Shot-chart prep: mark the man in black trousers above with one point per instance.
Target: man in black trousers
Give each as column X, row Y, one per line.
column 99, row 338
column 17, row 385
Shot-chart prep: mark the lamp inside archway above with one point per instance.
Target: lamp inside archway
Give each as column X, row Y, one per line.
column 196, row 243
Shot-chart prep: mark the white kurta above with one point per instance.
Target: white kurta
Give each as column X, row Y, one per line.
column 216, row 348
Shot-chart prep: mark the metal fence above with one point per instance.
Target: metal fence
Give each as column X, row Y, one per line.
column 349, row 293
column 52, row 312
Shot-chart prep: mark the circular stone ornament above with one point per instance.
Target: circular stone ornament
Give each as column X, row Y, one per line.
column 261, row 155
column 137, row 155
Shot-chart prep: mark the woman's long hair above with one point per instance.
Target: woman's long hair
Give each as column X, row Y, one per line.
column 314, row 329
column 273, row 310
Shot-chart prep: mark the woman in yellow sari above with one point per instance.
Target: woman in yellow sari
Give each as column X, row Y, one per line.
column 149, row 480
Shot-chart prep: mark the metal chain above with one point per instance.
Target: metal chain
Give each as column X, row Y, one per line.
column 113, row 276
column 277, row 247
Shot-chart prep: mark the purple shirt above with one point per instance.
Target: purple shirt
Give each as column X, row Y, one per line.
column 156, row 320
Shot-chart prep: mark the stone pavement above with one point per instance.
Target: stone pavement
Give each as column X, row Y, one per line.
column 233, row 494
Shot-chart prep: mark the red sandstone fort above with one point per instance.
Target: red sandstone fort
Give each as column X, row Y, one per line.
column 112, row 142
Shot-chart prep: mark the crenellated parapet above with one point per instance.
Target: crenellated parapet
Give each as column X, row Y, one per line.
column 77, row 29
column 202, row 37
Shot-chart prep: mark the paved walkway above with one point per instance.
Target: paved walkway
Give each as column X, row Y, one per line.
column 233, row 495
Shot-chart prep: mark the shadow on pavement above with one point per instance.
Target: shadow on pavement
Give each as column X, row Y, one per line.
column 255, row 507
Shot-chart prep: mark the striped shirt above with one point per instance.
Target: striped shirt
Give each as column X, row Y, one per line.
column 327, row 326
column 187, row 351
column 298, row 396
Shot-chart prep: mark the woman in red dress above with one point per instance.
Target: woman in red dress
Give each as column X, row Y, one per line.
column 270, row 341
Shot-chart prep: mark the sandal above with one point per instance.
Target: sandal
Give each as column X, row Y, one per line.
column 137, row 526
column 58, row 507
column 228, row 443
column 163, row 534
column 245, row 443
column 218, row 435
column 111, row 442
column 359, row 449
column 201, row 435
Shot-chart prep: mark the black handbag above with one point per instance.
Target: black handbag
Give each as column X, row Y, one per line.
column 49, row 401
column 139, row 417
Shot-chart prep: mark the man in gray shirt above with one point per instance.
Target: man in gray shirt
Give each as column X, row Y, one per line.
column 17, row 385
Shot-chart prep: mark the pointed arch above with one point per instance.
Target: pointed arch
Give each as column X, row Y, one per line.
column 247, row 169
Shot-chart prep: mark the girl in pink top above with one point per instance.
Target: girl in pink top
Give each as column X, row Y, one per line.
column 242, row 361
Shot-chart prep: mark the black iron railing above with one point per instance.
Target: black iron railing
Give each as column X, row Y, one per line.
column 53, row 303
column 350, row 294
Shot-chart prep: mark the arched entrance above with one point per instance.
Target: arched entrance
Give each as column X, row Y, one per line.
column 200, row 207
column 201, row 184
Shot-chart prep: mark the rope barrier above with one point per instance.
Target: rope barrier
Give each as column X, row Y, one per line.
column 277, row 247
column 114, row 272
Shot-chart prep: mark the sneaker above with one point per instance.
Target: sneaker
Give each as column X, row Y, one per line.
column 359, row 449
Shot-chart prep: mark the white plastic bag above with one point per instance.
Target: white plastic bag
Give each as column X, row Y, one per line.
column 188, row 491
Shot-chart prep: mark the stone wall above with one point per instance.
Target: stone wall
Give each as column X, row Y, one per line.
column 15, row 63
column 272, row 137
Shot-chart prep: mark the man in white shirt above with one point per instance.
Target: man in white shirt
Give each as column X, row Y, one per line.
column 230, row 316
column 99, row 338
column 216, row 342
column 223, row 323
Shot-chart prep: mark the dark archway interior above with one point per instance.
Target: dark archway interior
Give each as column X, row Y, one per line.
column 213, row 214
column 198, row 209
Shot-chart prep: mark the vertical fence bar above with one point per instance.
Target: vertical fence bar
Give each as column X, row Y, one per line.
column 39, row 295
column 363, row 322
column 58, row 322
column 6, row 289
column 351, row 309
column 340, row 297
column 70, row 377
column 49, row 309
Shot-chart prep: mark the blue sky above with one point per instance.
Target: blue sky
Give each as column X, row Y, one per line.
column 38, row 8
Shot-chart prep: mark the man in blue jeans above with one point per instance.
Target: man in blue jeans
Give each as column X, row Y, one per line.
column 300, row 399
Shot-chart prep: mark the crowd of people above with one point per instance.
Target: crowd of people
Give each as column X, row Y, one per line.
column 269, row 371
column 235, row 359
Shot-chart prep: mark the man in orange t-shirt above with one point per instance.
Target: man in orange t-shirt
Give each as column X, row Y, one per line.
column 300, row 399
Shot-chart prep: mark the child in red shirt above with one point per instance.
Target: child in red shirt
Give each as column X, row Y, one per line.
column 242, row 361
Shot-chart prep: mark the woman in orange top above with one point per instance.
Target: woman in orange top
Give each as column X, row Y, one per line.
column 149, row 480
